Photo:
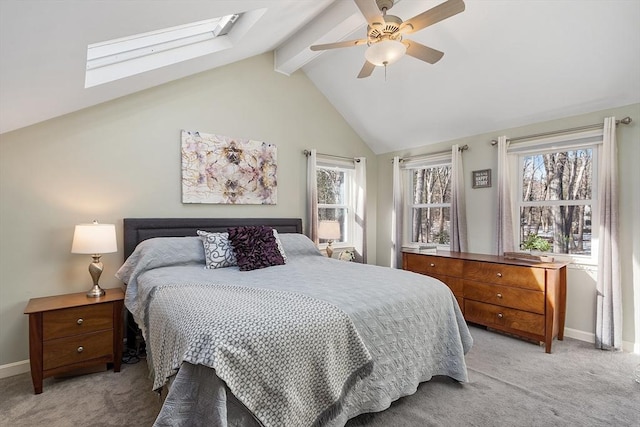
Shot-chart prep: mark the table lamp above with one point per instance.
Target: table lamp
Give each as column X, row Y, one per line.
column 329, row 230
column 94, row 239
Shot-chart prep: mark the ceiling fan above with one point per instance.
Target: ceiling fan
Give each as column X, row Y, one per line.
column 385, row 34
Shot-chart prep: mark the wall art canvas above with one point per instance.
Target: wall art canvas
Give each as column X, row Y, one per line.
column 225, row 170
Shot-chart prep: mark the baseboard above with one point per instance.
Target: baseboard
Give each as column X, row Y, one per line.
column 580, row 335
column 15, row 368
column 627, row 346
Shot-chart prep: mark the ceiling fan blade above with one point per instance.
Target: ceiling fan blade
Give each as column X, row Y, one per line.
column 371, row 13
column 442, row 11
column 347, row 43
column 366, row 70
column 422, row 52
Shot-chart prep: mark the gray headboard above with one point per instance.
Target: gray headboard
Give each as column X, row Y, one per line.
column 138, row 229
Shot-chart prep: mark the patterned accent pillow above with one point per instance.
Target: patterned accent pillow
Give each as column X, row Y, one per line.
column 255, row 247
column 218, row 251
column 280, row 247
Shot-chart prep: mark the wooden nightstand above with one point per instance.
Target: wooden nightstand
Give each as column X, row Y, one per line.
column 72, row 331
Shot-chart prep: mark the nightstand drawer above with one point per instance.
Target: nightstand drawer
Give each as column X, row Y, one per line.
column 509, row 275
column 503, row 318
column 77, row 320
column 506, row 296
column 429, row 265
column 69, row 350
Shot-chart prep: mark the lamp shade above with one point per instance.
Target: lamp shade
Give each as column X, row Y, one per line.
column 329, row 230
column 385, row 52
column 94, row 239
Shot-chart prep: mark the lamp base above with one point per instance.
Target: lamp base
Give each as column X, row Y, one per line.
column 330, row 249
column 95, row 269
column 96, row 292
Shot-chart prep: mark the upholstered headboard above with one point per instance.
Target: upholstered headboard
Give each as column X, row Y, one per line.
column 138, row 229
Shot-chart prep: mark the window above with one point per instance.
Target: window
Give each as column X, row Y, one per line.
column 335, row 200
column 429, row 203
column 555, row 201
column 115, row 59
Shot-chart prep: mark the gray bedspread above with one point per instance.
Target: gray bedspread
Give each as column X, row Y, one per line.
column 411, row 325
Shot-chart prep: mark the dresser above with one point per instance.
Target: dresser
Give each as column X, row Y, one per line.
column 69, row 332
column 520, row 297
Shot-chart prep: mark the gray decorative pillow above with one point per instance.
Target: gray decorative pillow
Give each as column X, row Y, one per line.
column 280, row 248
column 218, row 251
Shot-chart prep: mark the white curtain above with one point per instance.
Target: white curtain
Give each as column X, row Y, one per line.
column 458, row 240
column 396, row 216
column 609, row 294
column 312, row 197
column 504, row 225
column 360, row 235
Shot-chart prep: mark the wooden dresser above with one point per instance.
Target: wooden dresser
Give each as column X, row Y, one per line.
column 520, row 297
column 68, row 332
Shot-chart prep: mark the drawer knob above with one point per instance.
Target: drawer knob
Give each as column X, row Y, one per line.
column 432, row 265
column 80, row 349
column 499, row 274
column 500, row 316
column 79, row 321
column 499, row 295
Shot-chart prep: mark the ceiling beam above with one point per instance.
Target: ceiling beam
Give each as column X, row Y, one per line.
column 334, row 24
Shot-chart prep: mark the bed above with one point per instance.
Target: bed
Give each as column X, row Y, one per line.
column 313, row 341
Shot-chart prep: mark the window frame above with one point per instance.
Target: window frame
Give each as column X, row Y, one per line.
column 348, row 168
column 567, row 142
column 407, row 169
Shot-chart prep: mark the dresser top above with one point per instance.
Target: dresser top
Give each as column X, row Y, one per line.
column 80, row 299
column 468, row 256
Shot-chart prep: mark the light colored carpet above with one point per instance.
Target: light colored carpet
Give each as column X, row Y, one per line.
column 512, row 383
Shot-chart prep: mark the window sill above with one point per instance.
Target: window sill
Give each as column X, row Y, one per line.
column 578, row 262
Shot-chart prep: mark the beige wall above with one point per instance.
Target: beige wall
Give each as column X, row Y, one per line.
column 122, row 159
column 481, row 213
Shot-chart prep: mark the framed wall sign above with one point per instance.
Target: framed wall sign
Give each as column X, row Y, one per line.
column 481, row 178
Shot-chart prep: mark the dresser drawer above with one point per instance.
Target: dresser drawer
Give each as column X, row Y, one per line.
column 503, row 318
column 77, row 320
column 428, row 264
column 69, row 350
column 506, row 296
column 454, row 283
column 509, row 275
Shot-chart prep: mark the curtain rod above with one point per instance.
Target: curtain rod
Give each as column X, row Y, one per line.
column 308, row 153
column 417, row 156
column 624, row 121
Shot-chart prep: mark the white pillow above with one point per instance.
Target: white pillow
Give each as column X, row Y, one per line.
column 218, row 251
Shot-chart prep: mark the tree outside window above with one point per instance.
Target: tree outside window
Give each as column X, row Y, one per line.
column 430, row 204
column 556, row 200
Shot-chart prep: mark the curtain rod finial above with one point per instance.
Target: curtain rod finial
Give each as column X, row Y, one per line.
column 494, row 142
column 626, row 120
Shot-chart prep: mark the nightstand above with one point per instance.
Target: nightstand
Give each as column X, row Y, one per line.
column 69, row 332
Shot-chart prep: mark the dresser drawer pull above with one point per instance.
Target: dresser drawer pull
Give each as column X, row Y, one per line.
column 432, row 265
column 80, row 349
column 499, row 295
column 500, row 316
column 499, row 274
column 79, row 321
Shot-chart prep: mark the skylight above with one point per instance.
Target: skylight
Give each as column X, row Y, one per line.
column 115, row 59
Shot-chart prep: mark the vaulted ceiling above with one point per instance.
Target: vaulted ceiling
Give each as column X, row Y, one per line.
column 506, row 63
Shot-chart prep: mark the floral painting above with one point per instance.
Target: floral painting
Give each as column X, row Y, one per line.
column 225, row 170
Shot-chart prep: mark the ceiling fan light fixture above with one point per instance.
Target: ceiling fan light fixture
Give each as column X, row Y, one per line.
column 385, row 52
